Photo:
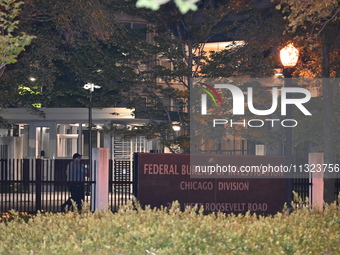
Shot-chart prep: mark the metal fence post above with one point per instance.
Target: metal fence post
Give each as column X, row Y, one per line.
column 38, row 166
column 135, row 175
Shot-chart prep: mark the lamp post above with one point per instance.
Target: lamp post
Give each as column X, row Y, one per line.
column 289, row 56
column 90, row 87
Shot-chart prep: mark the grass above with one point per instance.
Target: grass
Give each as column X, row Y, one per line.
column 171, row 231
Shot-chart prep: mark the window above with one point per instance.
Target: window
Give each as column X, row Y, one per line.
column 67, row 140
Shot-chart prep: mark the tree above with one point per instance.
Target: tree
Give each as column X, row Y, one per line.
column 10, row 43
column 317, row 23
column 179, row 42
column 75, row 44
column 82, row 41
column 167, row 66
column 256, row 58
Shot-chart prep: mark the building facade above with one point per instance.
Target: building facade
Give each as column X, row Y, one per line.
column 61, row 132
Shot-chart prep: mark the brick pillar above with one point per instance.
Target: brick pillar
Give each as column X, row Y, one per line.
column 100, row 172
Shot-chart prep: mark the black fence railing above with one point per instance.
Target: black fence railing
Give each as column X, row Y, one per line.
column 302, row 186
column 30, row 185
column 121, row 184
column 337, row 189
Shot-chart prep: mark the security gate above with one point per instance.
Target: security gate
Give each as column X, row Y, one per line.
column 121, row 184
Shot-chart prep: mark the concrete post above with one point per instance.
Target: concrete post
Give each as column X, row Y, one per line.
column 100, row 172
column 32, row 141
column 80, row 138
column 53, row 141
column 317, row 200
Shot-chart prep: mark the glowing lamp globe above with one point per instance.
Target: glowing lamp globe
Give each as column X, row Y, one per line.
column 176, row 128
column 289, row 55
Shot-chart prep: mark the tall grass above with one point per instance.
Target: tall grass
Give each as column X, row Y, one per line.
column 172, row 231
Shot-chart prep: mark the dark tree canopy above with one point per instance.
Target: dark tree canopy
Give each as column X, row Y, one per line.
column 85, row 41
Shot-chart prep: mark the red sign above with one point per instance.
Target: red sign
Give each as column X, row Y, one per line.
column 164, row 178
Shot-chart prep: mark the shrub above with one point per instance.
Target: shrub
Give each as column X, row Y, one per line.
column 172, row 231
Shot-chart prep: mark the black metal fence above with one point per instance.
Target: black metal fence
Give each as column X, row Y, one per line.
column 337, row 188
column 302, row 186
column 30, row 185
column 121, row 184
column 40, row 184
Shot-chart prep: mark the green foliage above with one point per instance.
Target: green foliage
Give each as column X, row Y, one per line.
column 257, row 56
column 315, row 25
column 312, row 15
column 178, row 41
column 76, row 43
column 172, row 231
column 83, row 41
column 183, row 5
column 10, row 44
column 6, row 217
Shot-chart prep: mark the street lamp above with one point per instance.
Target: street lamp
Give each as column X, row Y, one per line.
column 176, row 127
column 91, row 87
column 289, row 56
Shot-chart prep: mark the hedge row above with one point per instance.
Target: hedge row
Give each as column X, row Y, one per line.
column 171, row 231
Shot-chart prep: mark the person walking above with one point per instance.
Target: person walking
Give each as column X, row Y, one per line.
column 76, row 177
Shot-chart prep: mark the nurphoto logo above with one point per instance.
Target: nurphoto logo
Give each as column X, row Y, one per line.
column 294, row 96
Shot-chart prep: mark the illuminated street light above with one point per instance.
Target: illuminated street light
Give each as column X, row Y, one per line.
column 176, row 128
column 289, row 56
